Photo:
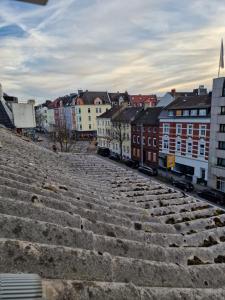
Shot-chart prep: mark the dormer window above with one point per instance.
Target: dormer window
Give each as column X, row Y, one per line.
column 202, row 112
column 194, row 112
column 186, row 112
column 170, row 113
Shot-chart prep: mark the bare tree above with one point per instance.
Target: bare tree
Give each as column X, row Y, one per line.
column 64, row 137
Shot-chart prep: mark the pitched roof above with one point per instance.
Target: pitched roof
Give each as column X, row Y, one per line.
column 114, row 97
column 191, row 102
column 4, row 118
column 89, row 97
column 148, row 116
column 110, row 112
column 127, row 115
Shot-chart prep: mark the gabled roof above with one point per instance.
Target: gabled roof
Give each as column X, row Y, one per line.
column 89, row 97
column 148, row 116
column 110, row 112
column 127, row 115
column 114, row 97
column 4, row 118
column 190, row 102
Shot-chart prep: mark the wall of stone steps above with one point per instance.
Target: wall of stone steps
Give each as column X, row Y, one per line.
column 95, row 230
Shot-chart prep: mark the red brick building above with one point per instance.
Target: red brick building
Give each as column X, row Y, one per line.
column 184, row 133
column 142, row 100
column 146, row 125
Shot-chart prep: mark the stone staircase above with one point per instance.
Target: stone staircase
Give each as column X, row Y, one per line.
column 94, row 230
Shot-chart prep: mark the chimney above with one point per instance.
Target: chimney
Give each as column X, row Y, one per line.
column 173, row 92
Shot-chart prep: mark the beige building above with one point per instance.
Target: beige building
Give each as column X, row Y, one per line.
column 88, row 106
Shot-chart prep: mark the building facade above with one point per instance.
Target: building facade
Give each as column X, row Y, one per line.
column 143, row 100
column 217, row 136
column 145, row 137
column 184, row 133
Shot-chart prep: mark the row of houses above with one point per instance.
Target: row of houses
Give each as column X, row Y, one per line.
column 184, row 132
column 78, row 112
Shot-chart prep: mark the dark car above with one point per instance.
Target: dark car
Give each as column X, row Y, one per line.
column 103, row 152
column 183, row 185
column 213, row 195
column 148, row 170
column 114, row 156
column 134, row 164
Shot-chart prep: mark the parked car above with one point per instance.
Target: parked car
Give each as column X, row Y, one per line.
column 148, row 170
column 103, row 152
column 134, row 164
column 183, row 185
column 114, row 156
column 213, row 195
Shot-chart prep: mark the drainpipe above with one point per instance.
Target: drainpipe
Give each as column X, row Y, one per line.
column 142, row 145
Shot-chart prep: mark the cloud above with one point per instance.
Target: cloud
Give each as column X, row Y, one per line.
column 142, row 46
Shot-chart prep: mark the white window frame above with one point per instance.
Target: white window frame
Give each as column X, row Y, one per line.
column 200, row 130
column 187, row 147
column 199, row 151
column 164, row 143
column 154, row 142
column 178, row 141
column 166, row 128
column 189, row 126
column 178, row 129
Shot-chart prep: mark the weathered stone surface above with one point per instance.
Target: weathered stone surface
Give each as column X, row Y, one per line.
column 96, row 230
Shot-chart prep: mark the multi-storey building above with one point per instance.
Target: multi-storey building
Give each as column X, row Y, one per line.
column 88, row 106
column 121, row 131
column 145, row 137
column 143, row 100
column 104, row 126
column 217, row 136
column 184, row 134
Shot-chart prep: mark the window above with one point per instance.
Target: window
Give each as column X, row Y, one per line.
column 202, row 149
column 178, row 113
column 202, row 131
column 79, row 111
column 170, row 113
column 149, row 141
column 124, row 148
column 89, row 126
column 189, row 129
column 221, row 145
column 138, row 152
column 165, row 144
column 89, row 118
column 80, row 127
column 222, row 127
column 185, row 112
column 134, row 139
column 154, row 130
column 202, row 112
column 220, row 184
column 89, row 110
column 222, row 112
column 194, row 112
column 138, row 139
column 221, row 162
column 143, row 140
column 149, row 155
column 96, row 110
column 166, row 128
column 178, row 128
column 128, row 149
column 178, row 146
column 149, row 129
column 154, row 157
column 128, row 136
column 99, row 110
column 154, row 142
column 189, row 147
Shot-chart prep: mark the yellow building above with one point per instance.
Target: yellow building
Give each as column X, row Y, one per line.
column 90, row 105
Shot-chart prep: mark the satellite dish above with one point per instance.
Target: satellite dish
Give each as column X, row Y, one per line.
column 40, row 2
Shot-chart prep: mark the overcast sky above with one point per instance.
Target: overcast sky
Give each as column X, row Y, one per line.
column 143, row 46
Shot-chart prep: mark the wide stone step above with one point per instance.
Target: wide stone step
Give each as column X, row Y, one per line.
column 75, row 264
column 79, row 290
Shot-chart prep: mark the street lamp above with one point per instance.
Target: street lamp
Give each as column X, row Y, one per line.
column 40, row 2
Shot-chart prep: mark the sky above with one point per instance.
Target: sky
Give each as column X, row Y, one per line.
column 142, row 46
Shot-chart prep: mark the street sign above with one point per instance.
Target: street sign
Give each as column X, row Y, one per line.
column 170, row 161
